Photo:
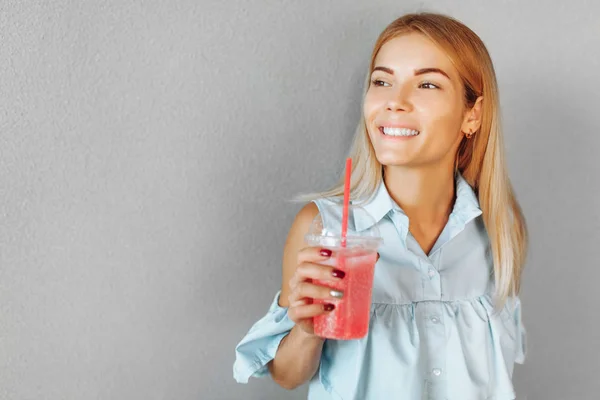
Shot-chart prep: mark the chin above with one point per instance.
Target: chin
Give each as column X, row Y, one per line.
column 395, row 161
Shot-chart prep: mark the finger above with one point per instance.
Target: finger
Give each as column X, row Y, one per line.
column 311, row 271
column 314, row 254
column 296, row 298
column 294, row 281
column 301, row 302
column 312, row 291
column 322, row 272
column 309, row 311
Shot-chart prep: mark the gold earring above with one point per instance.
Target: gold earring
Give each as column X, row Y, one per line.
column 469, row 135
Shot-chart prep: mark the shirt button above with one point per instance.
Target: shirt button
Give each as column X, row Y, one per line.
column 435, row 320
column 431, row 272
column 436, row 372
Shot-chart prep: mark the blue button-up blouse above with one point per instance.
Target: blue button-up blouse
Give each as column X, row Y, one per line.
column 433, row 330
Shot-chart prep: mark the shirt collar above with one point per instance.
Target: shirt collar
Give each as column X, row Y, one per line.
column 466, row 207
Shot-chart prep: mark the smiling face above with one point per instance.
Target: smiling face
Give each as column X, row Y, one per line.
column 417, row 93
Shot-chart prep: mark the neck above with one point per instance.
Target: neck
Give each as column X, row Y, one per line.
column 426, row 195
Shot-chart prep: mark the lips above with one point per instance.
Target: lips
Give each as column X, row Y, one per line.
column 398, row 125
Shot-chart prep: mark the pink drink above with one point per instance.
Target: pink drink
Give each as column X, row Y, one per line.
column 355, row 253
column 350, row 318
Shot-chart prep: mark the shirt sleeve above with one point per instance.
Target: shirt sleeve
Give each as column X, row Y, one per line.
column 260, row 344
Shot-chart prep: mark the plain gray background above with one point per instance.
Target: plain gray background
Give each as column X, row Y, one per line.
column 148, row 150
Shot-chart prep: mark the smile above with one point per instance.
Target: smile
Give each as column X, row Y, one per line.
column 398, row 132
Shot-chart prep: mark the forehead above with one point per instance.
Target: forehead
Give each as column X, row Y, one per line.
column 412, row 51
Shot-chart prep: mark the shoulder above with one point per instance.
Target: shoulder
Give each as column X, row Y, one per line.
column 306, row 214
column 301, row 223
column 320, row 205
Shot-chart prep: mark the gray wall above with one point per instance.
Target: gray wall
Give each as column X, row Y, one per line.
column 147, row 150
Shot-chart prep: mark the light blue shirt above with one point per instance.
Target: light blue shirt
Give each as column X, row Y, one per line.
column 433, row 332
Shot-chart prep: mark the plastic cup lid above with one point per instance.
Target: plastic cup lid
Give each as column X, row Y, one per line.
column 326, row 228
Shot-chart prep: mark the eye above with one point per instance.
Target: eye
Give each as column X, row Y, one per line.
column 378, row 82
column 428, row 85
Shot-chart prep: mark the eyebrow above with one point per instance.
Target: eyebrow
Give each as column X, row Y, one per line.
column 419, row 71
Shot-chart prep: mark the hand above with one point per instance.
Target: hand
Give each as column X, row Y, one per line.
column 302, row 308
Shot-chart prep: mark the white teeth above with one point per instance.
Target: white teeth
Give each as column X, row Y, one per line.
column 400, row 132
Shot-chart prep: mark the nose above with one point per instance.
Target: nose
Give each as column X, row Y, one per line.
column 399, row 100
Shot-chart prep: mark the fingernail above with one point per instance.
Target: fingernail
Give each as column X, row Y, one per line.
column 326, row 252
column 328, row 307
column 337, row 294
column 338, row 274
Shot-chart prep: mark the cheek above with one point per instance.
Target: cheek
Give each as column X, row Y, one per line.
column 369, row 106
column 373, row 102
column 441, row 115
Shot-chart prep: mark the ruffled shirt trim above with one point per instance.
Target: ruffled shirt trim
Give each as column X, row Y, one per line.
column 507, row 333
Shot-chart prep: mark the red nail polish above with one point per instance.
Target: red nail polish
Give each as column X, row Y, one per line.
column 325, row 252
column 328, row 307
column 338, row 274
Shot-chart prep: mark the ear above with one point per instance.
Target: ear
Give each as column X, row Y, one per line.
column 472, row 119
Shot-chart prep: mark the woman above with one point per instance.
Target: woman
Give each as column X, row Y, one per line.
column 429, row 166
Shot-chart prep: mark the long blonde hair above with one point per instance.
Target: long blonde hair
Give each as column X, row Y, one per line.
column 480, row 160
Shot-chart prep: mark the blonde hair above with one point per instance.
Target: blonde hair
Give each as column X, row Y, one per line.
column 480, row 160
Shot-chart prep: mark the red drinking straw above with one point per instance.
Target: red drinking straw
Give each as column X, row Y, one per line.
column 346, row 200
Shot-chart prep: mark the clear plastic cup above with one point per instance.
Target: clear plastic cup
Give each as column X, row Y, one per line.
column 350, row 318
